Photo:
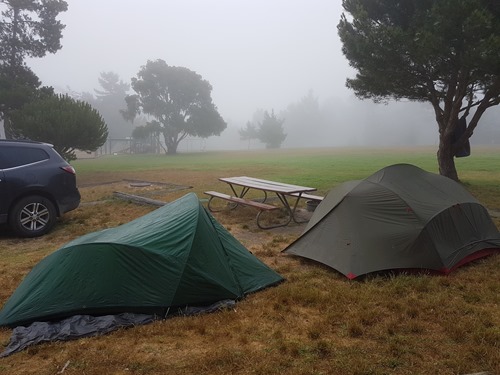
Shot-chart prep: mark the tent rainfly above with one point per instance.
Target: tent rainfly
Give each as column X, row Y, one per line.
column 173, row 257
column 401, row 217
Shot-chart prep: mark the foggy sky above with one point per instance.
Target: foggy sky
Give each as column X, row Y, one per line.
column 255, row 53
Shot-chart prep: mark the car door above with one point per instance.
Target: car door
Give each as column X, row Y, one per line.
column 8, row 155
column 3, row 193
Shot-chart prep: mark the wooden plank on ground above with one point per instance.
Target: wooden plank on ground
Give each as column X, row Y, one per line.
column 138, row 199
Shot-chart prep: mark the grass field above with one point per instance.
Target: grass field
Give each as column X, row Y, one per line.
column 317, row 321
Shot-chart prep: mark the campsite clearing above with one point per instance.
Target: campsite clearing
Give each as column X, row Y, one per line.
column 316, row 322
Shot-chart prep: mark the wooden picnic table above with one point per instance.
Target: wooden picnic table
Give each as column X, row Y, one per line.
column 241, row 185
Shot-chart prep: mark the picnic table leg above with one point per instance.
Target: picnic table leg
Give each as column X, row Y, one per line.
column 245, row 190
column 241, row 194
column 291, row 210
column 211, row 208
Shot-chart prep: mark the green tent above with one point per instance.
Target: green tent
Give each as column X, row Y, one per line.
column 175, row 256
column 401, row 217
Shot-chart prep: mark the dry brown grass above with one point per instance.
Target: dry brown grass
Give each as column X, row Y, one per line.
column 316, row 322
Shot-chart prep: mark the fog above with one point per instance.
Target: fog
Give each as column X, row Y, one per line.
column 257, row 54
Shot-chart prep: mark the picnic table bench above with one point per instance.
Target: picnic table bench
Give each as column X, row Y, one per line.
column 283, row 191
column 309, row 196
column 238, row 200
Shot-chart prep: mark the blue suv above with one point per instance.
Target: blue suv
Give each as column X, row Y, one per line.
column 36, row 186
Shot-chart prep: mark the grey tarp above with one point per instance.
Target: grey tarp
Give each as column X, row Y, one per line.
column 75, row 327
column 79, row 326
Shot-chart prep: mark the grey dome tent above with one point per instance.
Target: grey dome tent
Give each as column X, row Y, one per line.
column 175, row 256
column 401, row 217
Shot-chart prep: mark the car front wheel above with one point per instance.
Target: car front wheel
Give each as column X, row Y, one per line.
column 32, row 216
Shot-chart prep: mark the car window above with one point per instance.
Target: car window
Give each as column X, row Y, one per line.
column 11, row 156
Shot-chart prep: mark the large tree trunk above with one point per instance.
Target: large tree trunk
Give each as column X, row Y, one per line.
column 171, row 142
column 171, row 146
column 448, row 120
column 172, row 149
column 446, row 161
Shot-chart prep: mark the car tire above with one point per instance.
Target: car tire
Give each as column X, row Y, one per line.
column 32, row 216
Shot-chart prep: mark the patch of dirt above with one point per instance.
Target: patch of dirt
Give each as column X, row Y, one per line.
column 493, row 213
column 241, row 222
column 145, row 187
column 99, row 192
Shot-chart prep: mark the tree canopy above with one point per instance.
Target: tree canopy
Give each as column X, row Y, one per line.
column 270, row 130
column 66, row 123
column 111, row 85
column 147, row 138
column 28, row 28
column 18, row 85
column 178, row 99
column 249, row 132
column 109, row 101
column 304, row 119
column 445, row 52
